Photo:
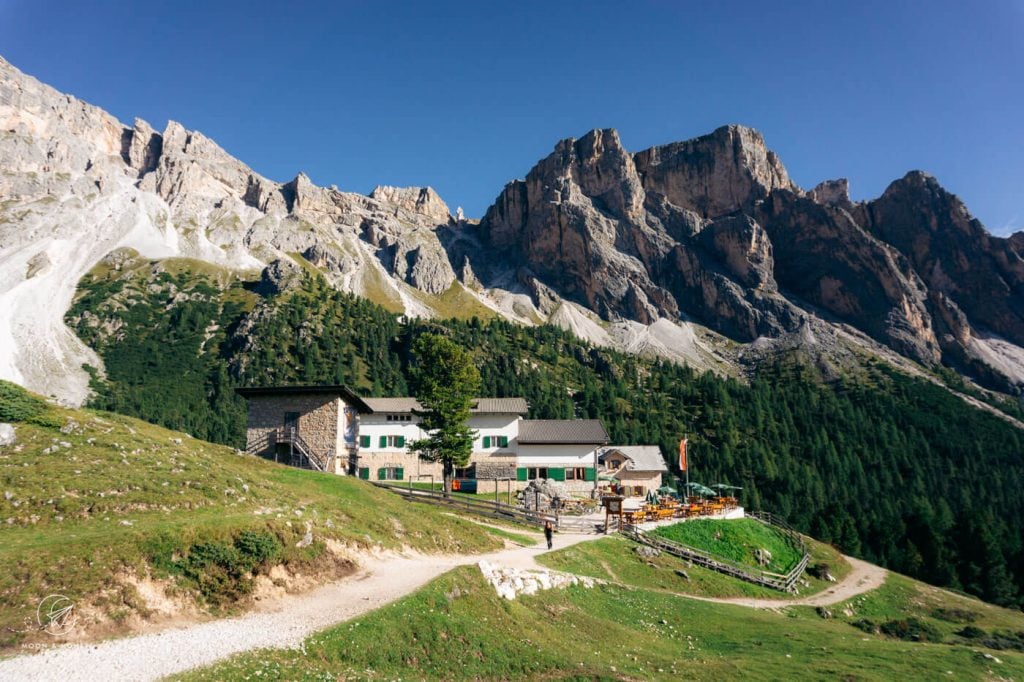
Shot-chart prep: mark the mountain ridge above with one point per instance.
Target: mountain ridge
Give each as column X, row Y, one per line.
column 709, row 236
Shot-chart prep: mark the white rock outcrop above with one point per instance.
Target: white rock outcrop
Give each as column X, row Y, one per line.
column 511, row 582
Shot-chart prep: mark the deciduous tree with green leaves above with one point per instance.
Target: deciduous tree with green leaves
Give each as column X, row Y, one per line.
column 445, row 382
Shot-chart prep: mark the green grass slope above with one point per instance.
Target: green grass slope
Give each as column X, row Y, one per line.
column 92, row 502
column 736, row 540
column 458, row 628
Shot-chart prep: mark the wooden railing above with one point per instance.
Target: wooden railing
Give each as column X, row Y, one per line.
column 492, row 509
column 303, row 455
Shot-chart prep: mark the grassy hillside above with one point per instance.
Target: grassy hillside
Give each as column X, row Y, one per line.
column 94, row 505
column 457, row 628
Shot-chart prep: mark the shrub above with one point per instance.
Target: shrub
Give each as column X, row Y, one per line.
column 971, row 632
column 1013, row 641
column 220, row 569
column 18, row 405
column 868, row 626
column 258, row 548
column 911, row 630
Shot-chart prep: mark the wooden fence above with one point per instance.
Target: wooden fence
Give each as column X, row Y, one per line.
column 494, row 509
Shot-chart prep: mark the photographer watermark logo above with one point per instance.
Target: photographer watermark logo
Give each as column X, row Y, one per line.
column 55, row 614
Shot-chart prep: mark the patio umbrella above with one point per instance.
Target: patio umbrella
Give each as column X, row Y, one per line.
column 666, row 490
column 652, row 497
column 725, row 486
column 700, row 489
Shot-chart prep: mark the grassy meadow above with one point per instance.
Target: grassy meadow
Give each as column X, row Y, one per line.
column 458, row 628
column 93, row 502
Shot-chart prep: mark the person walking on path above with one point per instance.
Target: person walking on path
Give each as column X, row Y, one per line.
column 548, row 532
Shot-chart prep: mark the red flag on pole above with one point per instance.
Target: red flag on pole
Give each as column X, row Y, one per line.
column 682, row 454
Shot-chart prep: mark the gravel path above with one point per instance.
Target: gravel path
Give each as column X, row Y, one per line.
column 290, row 621
column 286, row 624
column 863, row 577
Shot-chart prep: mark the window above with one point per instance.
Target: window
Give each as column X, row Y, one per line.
column 390, row 474
column 466, row 472
column 364, row 441
column 536, row 472
column 364, row 473
column 399, row 418
column 575, row 473
column 392, row 442
column 496, row 441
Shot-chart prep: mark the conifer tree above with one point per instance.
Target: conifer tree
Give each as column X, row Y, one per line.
column 445, row 383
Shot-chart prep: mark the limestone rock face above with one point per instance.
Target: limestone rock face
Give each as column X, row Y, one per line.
column 824, row 257
column 742, row 245
column 630, row 250
column 578, row 221
column 714, row 229
column 418, row 201
column 76, row 185
column 832, row 193
column 953, row 253
column 715, row 174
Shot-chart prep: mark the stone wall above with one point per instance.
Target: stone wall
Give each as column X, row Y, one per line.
column 318, row 424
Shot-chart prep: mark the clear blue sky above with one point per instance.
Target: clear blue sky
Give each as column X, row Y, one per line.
column 467, row 96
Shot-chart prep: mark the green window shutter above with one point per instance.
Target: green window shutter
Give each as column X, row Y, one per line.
column 502, row 441
column 364, row 441
column 400, row 474
column 590, row 474
column 401, row 441
column 556, row 473
column 381, row 473
column 487, row 441
column 383, row 441
column 521, row 474
column 364, row 473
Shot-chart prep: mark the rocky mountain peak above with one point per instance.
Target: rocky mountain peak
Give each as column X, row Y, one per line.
column 420, row 200
column 716, row 174
column 616, row 245
column 831, row 192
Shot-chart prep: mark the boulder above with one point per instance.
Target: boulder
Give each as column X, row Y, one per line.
column 7, row 435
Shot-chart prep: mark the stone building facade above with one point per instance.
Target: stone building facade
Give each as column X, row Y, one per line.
column 370, row 438
column 324, row 417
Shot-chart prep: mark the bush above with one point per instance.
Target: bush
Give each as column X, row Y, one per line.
column 258, row 548
column 971, row 632
column 220, row 569
column 868, row 626
column 18, row 405
column 1013, row 641
column 911, row 630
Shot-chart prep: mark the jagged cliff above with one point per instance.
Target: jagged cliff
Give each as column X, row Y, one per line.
column 658, row 251
column 714, row 228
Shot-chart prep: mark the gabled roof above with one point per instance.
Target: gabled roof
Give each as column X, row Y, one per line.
column 641, row 457
column 561, row 431
column 482, row 406
column 392, row 404
column 501, row 406
column 343, row 392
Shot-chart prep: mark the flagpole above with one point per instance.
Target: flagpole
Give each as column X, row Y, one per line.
column 686, row 439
